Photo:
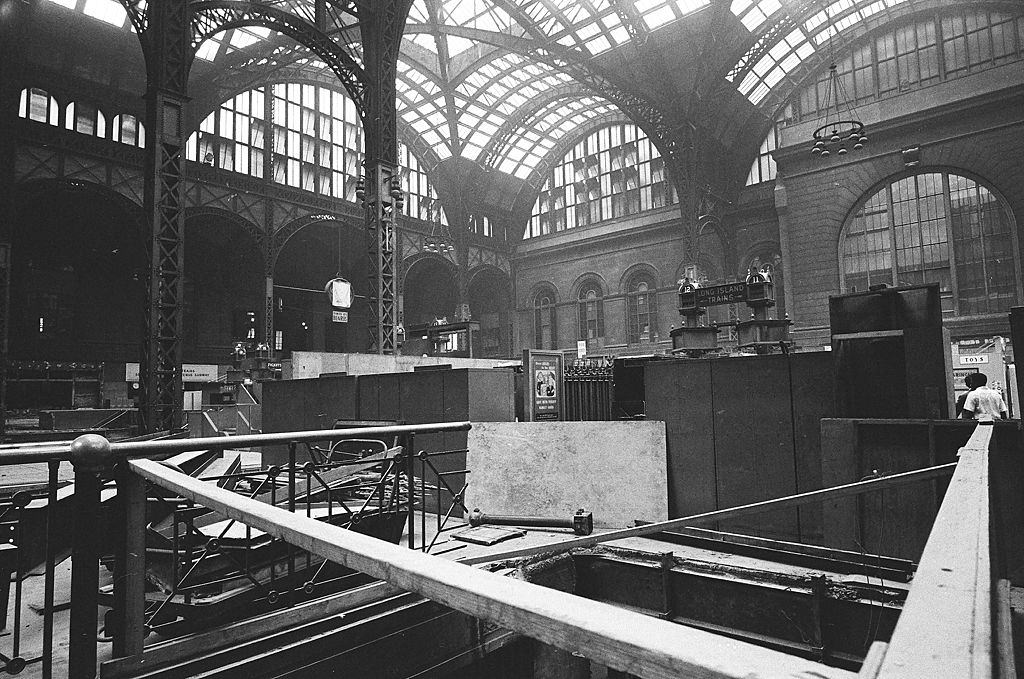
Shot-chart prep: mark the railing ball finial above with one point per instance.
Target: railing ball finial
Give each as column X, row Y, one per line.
column 91, row 452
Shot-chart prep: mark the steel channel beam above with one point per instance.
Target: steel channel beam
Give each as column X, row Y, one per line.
column 778, row 614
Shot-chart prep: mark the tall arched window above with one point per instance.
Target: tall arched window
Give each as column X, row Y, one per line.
column 128, row 129
column 544, row 328
column 38, row 105
column 301, row 135
column 85, row 118
column 935, row 227
column 642, row 310
column 611, row 173
column 590, row 310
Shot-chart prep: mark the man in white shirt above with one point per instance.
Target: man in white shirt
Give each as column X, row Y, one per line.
column 983, row 401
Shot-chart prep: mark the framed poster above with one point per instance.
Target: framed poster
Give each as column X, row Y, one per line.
column 542, row 389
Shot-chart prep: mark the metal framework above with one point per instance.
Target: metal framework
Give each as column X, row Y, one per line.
column 170, row 33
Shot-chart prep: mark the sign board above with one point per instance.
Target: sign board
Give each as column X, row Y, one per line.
column 339, row 316
column 189, row 372
column 974, row 359
column 728, row 293
column 339, row 292
column 581, row 348
column 960, row 374
column 542, row 388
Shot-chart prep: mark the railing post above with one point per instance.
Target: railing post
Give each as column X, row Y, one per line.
column 91, row 455
column 408, row 442
column 130, row 565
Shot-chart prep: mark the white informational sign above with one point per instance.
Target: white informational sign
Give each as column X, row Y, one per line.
column 190, row 372
column 974, row 359
column 339, row 292
column 339, row 316
column 581, row 348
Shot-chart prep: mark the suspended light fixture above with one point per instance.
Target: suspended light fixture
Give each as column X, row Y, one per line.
column 841, row 131
column 439, row 240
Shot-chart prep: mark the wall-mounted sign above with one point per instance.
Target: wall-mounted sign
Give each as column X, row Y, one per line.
column 339, row 293
column 190, row 372
column 542, row 390
column 974, row 359
column 581, row 348
column 339, row 316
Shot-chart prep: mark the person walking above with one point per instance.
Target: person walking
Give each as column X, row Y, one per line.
column 983, row 401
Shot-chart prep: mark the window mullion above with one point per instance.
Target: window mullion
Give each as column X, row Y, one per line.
column 981, row 235
column 954, row 282
column 892, row 236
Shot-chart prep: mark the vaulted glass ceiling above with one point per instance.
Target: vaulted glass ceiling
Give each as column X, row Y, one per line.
column 475, row 78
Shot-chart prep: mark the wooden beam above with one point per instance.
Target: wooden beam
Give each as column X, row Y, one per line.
column 244, row 631
column 945, row 629
column 732, row 512
column 622, row 639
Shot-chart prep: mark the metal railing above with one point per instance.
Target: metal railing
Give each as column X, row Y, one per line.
column 203, row 563
column 960, row 594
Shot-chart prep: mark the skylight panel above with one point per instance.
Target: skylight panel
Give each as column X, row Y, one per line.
column 598, row 45
column 588, row 31
column 687, row 6
column 425, row 40
column 418, row 12
column 108, row 11
column 70, row 4
column 458, row 45
column 208, row 50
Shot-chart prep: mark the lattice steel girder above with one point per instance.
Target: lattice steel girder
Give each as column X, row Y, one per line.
column 381, row 29
column 382, row 194
column 212, row 16
column 168, row 54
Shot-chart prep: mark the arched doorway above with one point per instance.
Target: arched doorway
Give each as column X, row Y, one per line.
column 224, row 288
column 489, row 303
column 78, row 290
column 430, row 295
column 303, row 319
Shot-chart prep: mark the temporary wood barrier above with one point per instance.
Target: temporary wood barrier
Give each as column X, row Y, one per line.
column 624, row 640
column 945, row 629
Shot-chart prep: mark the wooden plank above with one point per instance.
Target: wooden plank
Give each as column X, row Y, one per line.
column 622, row 639
column 244, row 631
column 945, row 629
column 797, row 500
column 754, row 442
column 679, row 393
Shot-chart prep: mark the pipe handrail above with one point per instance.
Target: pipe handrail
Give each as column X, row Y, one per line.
column 622, row 639
column 61, row 452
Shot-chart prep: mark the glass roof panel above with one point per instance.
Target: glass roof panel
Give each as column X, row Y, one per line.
column 788, row 53
column 556, row 119
column 110, row 11
column 753, row 13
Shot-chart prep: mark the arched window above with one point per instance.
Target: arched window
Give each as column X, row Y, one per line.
column 934, row 227
column 614, row 172
column 38, row 105
column 544, row 328
column 85, row 118
column 301, row 135
column 590, row 309
column 642, row 310
column 128, row 129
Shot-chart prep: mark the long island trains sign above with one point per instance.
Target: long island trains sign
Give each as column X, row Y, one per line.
column 756, row 290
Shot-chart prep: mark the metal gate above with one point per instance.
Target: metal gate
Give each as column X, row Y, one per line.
column 588, row 389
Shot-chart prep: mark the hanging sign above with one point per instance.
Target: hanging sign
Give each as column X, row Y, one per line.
column 339, row 293
column 542, row 390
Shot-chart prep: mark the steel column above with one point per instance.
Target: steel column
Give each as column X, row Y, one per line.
column 381, row 25
column 167, row 42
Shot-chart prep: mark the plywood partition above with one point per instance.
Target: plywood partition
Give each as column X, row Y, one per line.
column 894, row 522
column 616, row 470
column 744, row 429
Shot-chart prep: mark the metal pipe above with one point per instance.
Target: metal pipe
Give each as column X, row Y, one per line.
column 63, row 451
column 582, row 522
column 51, row 558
